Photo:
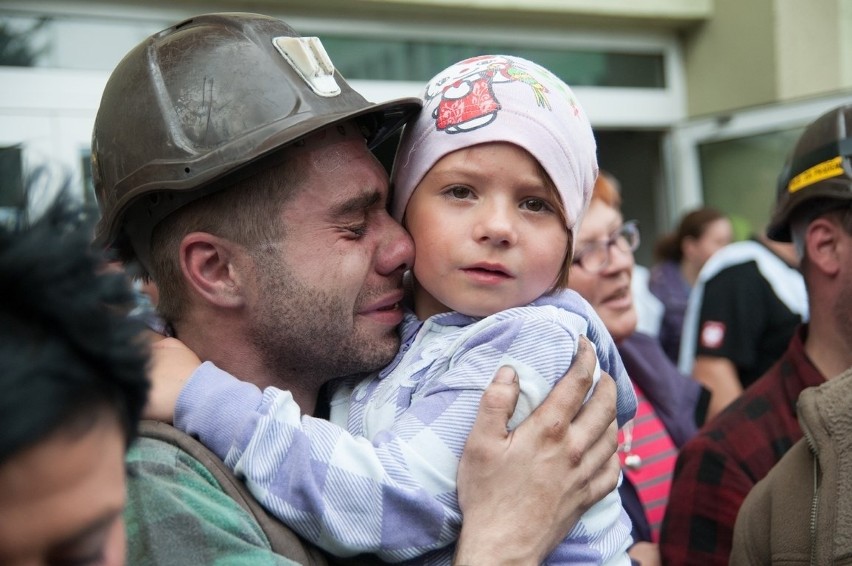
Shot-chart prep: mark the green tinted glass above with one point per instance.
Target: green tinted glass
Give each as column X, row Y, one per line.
column 401, row 60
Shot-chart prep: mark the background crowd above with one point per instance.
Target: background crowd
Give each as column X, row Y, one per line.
column 742, row 388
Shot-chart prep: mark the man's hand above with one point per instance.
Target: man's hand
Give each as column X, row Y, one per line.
column 521, row 492
column 171, row 365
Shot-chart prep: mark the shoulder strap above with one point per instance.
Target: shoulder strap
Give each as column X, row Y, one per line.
column 282, row 540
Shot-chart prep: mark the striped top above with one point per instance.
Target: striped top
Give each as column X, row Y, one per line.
column 648, row 457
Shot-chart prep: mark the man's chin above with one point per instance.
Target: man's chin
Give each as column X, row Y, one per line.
column 381, row 351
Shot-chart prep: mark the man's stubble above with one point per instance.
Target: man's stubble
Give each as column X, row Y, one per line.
column 304, row 333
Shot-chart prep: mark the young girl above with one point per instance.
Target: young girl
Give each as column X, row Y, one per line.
column 491, row 180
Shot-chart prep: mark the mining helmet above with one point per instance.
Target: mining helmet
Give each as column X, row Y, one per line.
column 819, row 168
column 191, row 108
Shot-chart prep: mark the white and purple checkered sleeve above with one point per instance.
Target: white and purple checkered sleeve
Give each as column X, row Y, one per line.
column 391, row 493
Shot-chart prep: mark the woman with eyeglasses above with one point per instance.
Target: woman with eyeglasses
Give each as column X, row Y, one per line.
column 671, row 405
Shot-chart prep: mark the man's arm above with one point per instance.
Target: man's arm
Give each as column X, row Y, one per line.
column 521, row 492
column 720, row 377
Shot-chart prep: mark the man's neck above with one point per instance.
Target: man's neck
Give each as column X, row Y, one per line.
column 827, row 346
column 230, row 351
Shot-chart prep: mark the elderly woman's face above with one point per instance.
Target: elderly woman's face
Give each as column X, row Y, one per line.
column 609, row 290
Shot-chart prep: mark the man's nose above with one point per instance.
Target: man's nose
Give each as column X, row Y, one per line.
column 396, row 250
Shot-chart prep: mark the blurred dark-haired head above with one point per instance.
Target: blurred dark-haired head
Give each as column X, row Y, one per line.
column 68, row 352
column 692, row 227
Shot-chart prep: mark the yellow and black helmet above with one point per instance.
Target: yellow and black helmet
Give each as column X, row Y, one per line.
column 819, row 168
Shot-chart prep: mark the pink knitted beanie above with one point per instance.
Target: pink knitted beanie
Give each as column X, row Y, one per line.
column 500, row 98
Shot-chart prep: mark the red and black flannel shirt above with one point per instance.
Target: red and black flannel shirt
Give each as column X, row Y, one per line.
column 718, row 467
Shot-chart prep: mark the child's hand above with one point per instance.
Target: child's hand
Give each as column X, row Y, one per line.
column 172, row 363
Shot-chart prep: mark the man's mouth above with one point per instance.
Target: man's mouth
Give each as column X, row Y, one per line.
column 386, row 310
column 389, row 302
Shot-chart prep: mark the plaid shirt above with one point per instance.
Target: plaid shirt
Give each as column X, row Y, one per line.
column 177, row 514
column 716, row 469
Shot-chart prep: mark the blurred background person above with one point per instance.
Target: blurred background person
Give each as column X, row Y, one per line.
column 649, row 309
column 671, row 406
column 73, row 382
column 742, row 312
column 720, row 466
column 680, row 256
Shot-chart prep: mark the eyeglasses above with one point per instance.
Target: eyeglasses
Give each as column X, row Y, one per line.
column 595, row 256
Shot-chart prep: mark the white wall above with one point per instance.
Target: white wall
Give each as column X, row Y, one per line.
column 50, row 113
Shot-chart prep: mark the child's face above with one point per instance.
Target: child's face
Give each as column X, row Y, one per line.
column 486, row 233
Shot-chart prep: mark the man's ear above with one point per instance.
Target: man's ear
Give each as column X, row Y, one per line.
column 822, row 238
column 208, row 266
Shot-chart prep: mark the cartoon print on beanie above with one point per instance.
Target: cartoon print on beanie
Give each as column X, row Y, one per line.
column 467, row 93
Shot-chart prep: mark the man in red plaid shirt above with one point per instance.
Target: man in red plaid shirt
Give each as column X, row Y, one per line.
column 716, row 469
